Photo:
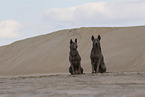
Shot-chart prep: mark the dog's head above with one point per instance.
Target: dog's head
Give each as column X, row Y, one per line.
column 96, row 41
column 73, row 45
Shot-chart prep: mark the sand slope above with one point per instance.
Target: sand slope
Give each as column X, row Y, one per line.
column 123, row 49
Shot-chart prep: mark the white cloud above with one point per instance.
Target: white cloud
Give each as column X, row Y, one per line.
column 73, row 13
column 63, row 14
column 129, row 9
column 9, row 29
column 114, row 12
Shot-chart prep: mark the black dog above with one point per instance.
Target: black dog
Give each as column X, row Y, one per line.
column 75, row 59
column 97, row 59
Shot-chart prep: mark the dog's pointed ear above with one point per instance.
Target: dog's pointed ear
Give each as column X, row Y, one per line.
column 92, row 38
column 76, row 40
column 71, row 41
column 99, row 37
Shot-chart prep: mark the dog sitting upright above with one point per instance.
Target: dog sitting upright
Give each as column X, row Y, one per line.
column 75, row 59
column 96, row 56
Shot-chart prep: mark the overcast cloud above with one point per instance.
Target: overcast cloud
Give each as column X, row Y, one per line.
column 30, row 18
column 112, row 13
column 9, row 29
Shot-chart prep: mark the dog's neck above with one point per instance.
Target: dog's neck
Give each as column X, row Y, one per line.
column 73, row 52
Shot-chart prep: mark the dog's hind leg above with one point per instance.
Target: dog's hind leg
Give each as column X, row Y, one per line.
column 73, row 69
column 82, row 70
column 99, row 63
column 70, row 70
column 79, row 69
column 102, row 67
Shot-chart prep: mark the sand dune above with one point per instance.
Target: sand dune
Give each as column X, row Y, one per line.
column 123, row 49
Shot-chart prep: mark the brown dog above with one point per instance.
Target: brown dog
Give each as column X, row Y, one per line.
column 75, row 59
column 96, row 56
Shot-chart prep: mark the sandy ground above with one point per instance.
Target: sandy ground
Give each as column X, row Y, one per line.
column 123, row 49
column 123, row 84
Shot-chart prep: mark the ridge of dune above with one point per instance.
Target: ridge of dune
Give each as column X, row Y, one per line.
column 123, row 49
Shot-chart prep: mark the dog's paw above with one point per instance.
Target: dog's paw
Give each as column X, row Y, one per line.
column 93, row 72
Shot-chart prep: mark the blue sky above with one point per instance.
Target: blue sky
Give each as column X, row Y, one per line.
column 20, row 19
